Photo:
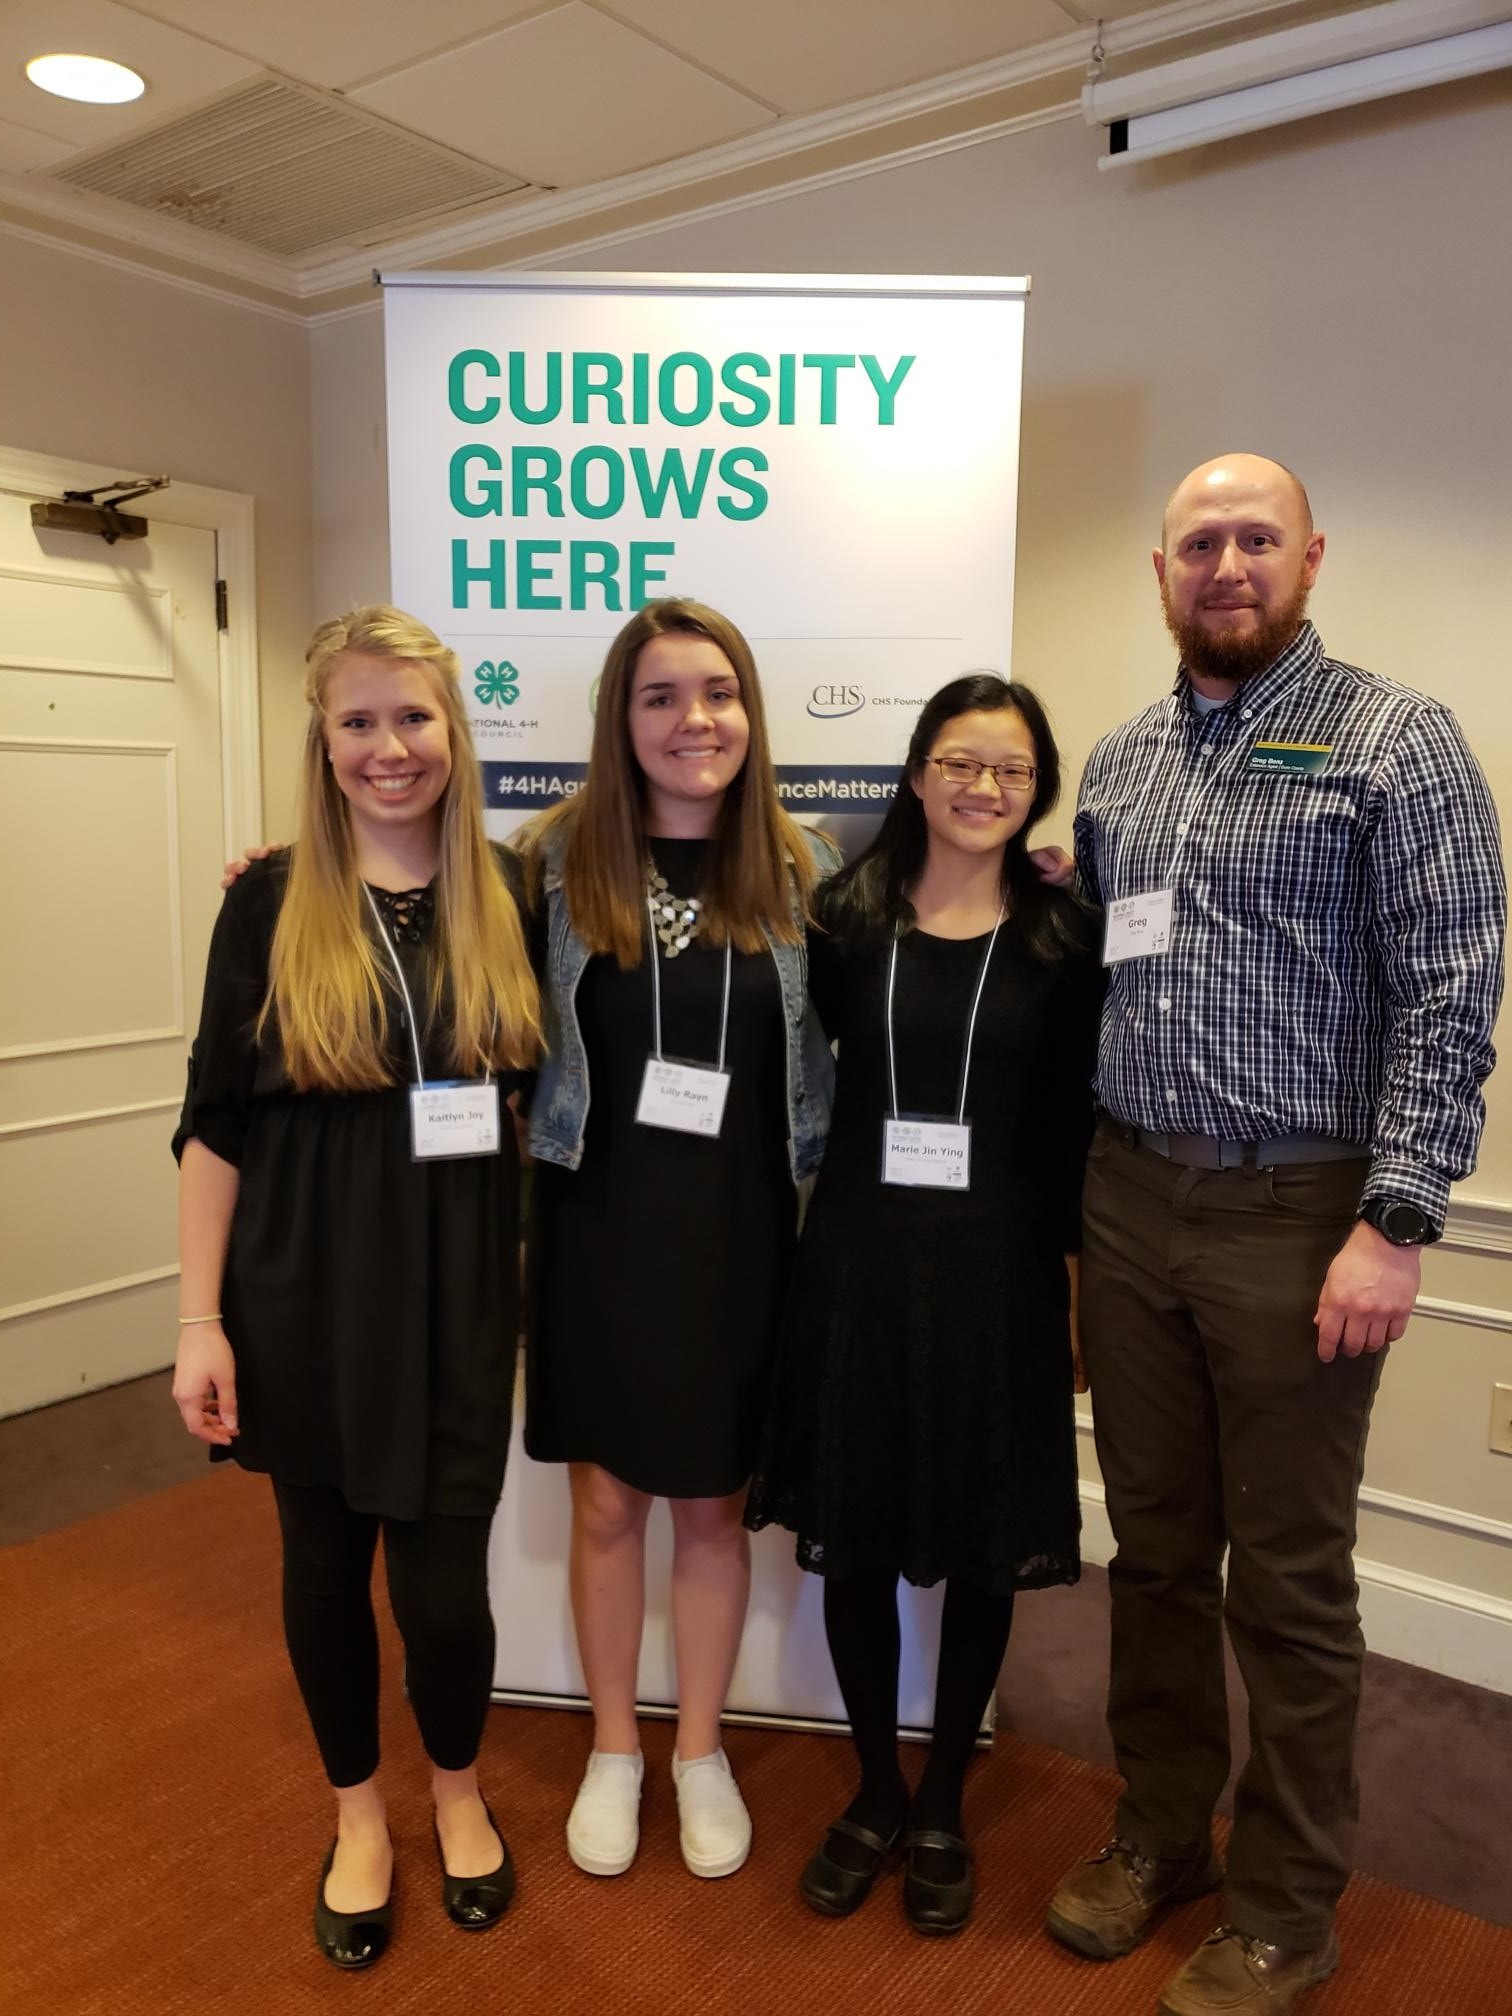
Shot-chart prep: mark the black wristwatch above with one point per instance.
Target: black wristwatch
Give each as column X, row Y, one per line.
column 1404, row 1224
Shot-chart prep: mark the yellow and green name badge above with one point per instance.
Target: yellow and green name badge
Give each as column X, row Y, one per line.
column 1305, row 759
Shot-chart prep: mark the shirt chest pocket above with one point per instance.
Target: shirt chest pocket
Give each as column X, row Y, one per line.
column 1291, row 845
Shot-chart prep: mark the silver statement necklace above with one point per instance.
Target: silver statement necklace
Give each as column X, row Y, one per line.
column 676, row 920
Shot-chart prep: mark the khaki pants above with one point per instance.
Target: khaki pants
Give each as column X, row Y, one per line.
column 1218, row 1426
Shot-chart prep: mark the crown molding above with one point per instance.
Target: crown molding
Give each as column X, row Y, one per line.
column 956, row 92
column 970, row 99
column 141, row 269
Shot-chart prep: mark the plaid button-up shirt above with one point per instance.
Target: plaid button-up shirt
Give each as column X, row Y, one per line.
column 1335, row 962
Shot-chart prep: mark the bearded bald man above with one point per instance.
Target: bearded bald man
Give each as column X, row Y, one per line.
column 1306, row 910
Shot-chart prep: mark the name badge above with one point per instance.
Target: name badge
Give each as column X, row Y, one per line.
column 1299, row 759
column 1138, row 927
column 688, row 1098
column 452, row 1120
column 927, row 1154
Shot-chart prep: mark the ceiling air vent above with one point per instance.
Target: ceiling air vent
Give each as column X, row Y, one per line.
column 288, row 169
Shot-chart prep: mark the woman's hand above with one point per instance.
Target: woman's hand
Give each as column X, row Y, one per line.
column 521, row 1128
column 204, row 1384
column 1079, row 1382
column 238, row 868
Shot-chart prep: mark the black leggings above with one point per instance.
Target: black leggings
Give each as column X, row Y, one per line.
column 861, row 1624
column 437, row 1569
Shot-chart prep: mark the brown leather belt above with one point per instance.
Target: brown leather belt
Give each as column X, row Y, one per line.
column 1204, row 1151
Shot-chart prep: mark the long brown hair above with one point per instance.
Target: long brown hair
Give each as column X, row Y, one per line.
column 326, row 996
column 758, row 851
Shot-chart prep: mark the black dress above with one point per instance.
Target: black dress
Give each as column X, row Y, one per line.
column 657, row 1268
column 922, row 1418
column 371, row 1300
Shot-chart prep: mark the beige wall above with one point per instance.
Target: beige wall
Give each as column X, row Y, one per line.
column 1336, row 294
column 116, row 367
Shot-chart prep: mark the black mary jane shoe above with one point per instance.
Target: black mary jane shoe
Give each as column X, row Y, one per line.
column 351, row 1939
column 476, row 1902
column 831, row 1889
column 933, row 1905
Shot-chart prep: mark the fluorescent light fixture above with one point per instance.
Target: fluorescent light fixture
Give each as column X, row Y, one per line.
column 91, row 80
column 1377, row 52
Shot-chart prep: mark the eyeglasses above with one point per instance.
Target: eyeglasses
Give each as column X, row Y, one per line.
column 966, row 770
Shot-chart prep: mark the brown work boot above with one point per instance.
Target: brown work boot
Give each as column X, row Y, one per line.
column 1232, row 1974
column 1106, row 1906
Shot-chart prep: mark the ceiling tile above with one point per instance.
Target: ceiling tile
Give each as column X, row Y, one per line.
column 21, row 150
column 179, row 68
column 800, row 55
column 325, row 43
column 568, row 98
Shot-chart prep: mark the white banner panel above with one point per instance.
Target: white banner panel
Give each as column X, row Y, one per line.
column 832, row 462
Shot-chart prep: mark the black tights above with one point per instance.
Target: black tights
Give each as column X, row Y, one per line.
column 861, row 1623
column 437, row 1569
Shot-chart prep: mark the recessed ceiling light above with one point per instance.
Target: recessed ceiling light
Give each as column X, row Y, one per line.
column 92, row 80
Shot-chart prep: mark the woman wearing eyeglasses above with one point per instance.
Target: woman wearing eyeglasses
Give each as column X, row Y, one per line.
column 922, row 1424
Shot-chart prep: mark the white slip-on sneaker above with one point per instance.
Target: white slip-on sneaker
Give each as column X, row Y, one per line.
column 714, row 1825
column 603, row 1828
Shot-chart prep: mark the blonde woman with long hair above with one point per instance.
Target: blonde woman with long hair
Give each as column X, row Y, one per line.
column 349, row 1207
column 685, row 1092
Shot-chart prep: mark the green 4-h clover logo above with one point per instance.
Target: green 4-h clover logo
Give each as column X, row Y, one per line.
column 497, row 685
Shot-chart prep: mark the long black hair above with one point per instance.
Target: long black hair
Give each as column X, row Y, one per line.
column 868, row 899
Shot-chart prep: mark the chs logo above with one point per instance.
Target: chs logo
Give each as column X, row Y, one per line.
column 496, row 685
column 833, row 703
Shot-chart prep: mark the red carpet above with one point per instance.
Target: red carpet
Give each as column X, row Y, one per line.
column 162, row 1819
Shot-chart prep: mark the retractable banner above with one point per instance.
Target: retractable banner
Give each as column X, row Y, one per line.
column 830, row 462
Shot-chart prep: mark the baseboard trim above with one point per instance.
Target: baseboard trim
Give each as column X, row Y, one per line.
column 1479, row 1225
column 1442, row 1626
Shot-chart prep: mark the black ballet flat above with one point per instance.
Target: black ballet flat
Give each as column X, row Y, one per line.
column 934, row 1906
column 476, row 1902
column 831, row 1889
column 351, row 1939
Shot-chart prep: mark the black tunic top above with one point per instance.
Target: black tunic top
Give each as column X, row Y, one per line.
column 922, row 1417
column 371, row 1300
column 658, row 1267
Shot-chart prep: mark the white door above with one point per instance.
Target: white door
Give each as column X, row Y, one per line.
column 110, row 841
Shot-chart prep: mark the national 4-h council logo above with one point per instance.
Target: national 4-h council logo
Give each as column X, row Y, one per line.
column 496, row 685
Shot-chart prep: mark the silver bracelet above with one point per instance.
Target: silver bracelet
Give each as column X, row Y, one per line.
column 184, row 1321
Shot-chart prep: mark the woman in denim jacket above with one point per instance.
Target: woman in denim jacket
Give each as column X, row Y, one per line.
column 684, row 1096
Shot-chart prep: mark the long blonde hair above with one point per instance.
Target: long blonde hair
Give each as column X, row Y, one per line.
column 758, row 851
column 326, row 996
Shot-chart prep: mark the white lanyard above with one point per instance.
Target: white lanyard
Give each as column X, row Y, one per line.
column 1140, row 926
column 656, row 1014
column 685, row 1098
column 395, row 962
column 448, row 1120
column 892, row 1064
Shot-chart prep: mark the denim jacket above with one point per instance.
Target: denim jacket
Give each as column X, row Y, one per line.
column 559, row 1106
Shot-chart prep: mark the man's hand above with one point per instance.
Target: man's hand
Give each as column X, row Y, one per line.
column 1055, row 866
column 1368, row 1295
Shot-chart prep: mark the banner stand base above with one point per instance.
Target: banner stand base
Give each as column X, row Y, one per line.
column 739, row 1718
